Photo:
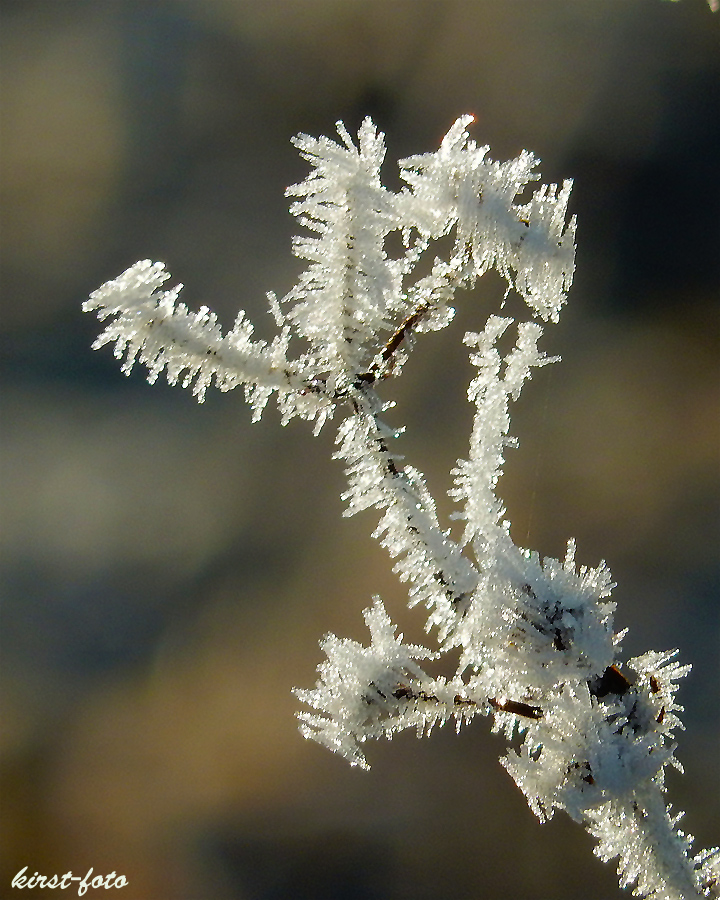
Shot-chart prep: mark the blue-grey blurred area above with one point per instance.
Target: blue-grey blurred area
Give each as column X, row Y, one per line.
column 168, row 568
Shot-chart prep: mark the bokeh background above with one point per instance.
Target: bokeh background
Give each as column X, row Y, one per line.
column 168, row 569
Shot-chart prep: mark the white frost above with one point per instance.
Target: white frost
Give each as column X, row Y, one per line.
column 536, row 642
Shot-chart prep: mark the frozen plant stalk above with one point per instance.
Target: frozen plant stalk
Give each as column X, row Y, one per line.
column 535, row 636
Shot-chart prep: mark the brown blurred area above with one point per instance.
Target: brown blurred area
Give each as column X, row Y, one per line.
column 167, row 569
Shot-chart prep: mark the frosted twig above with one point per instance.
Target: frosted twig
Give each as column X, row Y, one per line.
column 537, row 649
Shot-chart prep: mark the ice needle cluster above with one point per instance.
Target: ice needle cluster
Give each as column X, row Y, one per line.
column 535, row 639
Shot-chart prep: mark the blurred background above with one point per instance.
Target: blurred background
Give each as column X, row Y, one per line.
column 168, row 570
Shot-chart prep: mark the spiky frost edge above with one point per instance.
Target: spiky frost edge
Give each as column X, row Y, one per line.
column 149, row 326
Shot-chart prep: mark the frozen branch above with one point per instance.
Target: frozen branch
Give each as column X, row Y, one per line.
column 537, row 647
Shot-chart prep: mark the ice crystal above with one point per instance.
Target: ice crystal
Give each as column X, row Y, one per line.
column 536, row 641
